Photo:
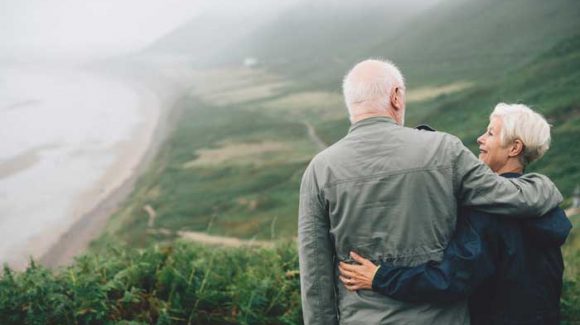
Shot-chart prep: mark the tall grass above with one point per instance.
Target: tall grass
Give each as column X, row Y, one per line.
column 184, row 283
column 177, row 284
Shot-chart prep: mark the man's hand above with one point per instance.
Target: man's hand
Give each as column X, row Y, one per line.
column 357, row 277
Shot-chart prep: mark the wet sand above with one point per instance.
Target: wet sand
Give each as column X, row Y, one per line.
column 92, row 223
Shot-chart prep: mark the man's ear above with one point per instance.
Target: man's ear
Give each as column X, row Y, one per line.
column 397, row 98
column 517, row 147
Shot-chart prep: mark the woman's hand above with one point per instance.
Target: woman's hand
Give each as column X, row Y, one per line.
column 357, row 277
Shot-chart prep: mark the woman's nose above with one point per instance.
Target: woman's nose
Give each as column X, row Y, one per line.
column 480, row 139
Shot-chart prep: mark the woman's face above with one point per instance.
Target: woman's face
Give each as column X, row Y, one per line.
column 491, row 152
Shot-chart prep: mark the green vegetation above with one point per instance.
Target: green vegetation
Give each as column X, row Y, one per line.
column 549, row 84
column 178, row 284
column 454, row 40
column 570, row 302
column 227, row 171
column 186, row 284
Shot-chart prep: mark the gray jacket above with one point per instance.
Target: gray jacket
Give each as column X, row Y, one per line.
column 391, row 193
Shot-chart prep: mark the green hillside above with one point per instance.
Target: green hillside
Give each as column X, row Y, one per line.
column 233, row 164
column 499, row 49
column 549, row 84
column 480, row 39
column 443, row 42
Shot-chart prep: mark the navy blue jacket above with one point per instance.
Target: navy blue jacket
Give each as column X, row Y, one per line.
column 511, row 269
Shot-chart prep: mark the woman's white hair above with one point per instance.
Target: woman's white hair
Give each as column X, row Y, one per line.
column 371, row 81
column 520, row 122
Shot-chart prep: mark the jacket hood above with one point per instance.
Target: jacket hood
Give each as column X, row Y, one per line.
column 551, row 229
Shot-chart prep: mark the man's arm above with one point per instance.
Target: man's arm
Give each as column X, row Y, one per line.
column 316, row 255
column 467, row 262
column 531, row 195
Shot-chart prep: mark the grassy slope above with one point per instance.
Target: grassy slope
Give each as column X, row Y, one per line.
column 250, row 195
column 454, row 40
column 316, row 43
column 480, row 39
column 255, row 195
column 549, row 84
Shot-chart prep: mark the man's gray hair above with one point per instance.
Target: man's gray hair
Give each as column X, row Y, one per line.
column 360, row 86
column 520, row 122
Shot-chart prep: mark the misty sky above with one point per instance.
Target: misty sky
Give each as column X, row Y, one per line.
column 45, row 29
column 73, row 28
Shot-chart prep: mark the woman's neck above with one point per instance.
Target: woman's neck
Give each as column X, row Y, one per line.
column 513, row 165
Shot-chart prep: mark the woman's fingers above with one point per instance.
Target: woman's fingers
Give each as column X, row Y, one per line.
column 357, row 277
column 350, row 267
column 354, row 269
column 350, row 284
column 346, row 272
column 359, row 259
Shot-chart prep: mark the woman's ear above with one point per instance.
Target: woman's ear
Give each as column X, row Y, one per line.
column 516, row 148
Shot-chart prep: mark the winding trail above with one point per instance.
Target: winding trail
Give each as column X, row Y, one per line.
column 314, row 137
column 204, row 238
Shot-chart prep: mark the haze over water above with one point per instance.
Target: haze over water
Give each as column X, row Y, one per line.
column 59, row 132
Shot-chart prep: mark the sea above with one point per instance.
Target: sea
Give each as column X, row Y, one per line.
column 62, row 131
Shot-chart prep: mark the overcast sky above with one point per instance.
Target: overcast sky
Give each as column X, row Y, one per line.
column 95, row 28
column 81, row 28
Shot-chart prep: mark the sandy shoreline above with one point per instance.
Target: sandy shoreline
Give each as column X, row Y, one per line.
column 91, row 224
column 120, row 179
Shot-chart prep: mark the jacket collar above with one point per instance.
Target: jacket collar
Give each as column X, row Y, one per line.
column 371, row 121
column 511, row 175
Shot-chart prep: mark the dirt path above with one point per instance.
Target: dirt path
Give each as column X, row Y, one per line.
column 314, row 137
column 204, row 238
column 201, row 237
column 572, row 212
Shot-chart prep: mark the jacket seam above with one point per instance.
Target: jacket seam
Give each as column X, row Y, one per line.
column 370, row 177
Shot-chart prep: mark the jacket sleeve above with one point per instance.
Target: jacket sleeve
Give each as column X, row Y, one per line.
column 531, row 195
column 316, row 255
column 550, row 230
column 467, row 261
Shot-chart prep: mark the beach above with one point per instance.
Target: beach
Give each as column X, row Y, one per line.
column 72, row 149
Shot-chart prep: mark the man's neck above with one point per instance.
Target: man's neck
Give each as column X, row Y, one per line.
column 361, row 117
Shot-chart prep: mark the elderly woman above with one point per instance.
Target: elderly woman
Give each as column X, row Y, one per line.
column 511, row 269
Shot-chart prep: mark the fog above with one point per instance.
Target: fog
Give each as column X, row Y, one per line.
column 61, row 29
column 41, row 29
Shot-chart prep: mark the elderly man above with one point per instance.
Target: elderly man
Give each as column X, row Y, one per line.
column 391, row 193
